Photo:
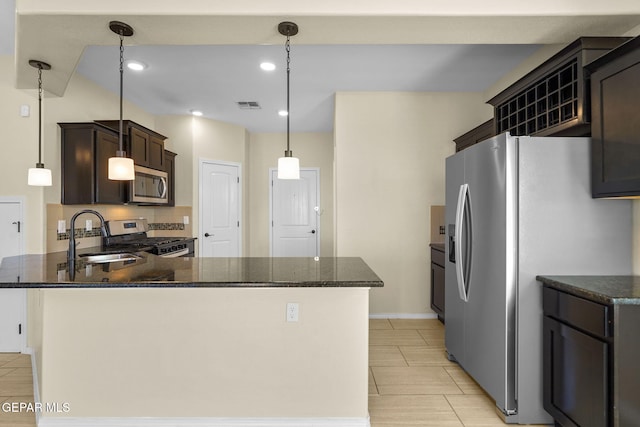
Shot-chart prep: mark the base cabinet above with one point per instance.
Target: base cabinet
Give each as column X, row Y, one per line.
column 590, row 361
column 437, row 280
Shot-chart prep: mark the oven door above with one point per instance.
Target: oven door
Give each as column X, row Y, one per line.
column 176, row 254
column 150, row 187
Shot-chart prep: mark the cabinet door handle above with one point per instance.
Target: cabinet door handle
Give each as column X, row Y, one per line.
column 18, row 223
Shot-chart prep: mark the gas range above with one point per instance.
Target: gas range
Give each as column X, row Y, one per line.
column 131, row 234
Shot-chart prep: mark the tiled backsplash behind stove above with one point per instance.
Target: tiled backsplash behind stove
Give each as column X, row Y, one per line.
column 163, row 221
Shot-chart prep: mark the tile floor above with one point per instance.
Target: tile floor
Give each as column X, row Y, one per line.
column 16, row 386
column 412, row 383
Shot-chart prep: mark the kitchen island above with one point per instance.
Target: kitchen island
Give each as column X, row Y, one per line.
column 198, row 341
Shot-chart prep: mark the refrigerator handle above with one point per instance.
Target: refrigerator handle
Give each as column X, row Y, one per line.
column 460, row 208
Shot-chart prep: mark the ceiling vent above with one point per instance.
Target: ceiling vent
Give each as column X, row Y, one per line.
column 248, row 105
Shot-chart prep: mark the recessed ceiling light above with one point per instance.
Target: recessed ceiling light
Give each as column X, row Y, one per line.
column 196, row 112
column 136, row 65
column 268, row 66
column 283, row 113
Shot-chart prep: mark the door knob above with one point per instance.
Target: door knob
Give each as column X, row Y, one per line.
column 207, row 235
column 313, row 232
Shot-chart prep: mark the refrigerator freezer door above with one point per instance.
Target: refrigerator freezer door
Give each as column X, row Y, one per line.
column 490, row 321
column 454, row 306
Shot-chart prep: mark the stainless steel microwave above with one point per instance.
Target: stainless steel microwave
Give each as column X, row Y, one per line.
column 150, row 186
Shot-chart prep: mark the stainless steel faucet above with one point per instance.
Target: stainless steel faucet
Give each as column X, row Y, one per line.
column 71, row 254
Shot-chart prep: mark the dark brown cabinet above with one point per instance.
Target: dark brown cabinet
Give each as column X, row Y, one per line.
column 86, row 149
column 475, row 135
column 437, row 279
column 553, row 99
column 590, row 357
column 170, row 169
column 577, row 352
column 143, row 145
column 615, row 96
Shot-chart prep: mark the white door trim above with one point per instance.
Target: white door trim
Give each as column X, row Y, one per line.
column 201, row 163
column 20, row 200
column 318, row 231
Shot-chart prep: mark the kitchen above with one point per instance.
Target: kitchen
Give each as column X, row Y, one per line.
column 354, row 232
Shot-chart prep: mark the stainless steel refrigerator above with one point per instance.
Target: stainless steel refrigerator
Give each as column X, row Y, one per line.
column 517, row 207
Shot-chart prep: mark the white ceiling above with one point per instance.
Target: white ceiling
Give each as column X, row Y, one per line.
column 209, row 62
column 214, row 78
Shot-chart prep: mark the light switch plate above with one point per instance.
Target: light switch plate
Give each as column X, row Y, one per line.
column 24, row 111
column 62, row 226
column 88, row 225
column 185, row 219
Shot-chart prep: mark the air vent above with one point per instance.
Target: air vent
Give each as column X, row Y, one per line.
column 248, row 105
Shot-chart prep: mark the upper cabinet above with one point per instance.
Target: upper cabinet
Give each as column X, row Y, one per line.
column 86, row 149
column 475, row 135
column 615, row 130
column 553, row 99
column 146, row 147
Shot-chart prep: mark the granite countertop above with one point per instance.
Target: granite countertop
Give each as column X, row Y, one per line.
column 438, row 246
column 602, row 289
column 52, row 271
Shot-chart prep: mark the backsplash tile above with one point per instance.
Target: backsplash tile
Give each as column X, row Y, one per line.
column 163, row 221
column 166, row 226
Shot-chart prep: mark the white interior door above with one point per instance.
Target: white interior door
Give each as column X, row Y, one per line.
column 295, row 226
column 12, row 301
column 219, row 209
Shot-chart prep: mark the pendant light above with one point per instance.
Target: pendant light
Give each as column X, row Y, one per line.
column 288, row 166
column 121, row 166
column 39, row 176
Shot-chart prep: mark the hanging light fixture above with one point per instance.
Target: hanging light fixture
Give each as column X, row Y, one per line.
column 288, row 166
column 39, row 175
column 121, row 166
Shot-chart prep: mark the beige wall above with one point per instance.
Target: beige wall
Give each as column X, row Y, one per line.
column 196, row 139
column 210, row 352
column 390, row 150
column 315, row 150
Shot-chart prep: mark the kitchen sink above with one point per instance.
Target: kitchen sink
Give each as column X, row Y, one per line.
column 101, row 258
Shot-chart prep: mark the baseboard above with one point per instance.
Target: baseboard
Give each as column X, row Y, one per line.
column 403, row 316
column 202, row 422
column 34, row 372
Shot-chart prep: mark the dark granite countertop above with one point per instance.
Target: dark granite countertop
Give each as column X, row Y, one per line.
column 603, row 289
column 52, row 271
column 437, row 246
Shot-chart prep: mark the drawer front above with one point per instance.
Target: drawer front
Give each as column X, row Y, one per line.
column 437, row 257
column 579, row 312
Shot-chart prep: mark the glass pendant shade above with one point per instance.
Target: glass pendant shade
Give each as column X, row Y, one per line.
column 288, row 168
column 39, row 176
column 121, row 169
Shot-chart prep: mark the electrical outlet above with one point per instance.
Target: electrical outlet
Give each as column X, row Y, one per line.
column 185, row 219
column 292, row 312
column 88, row 224
column 62, row 226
